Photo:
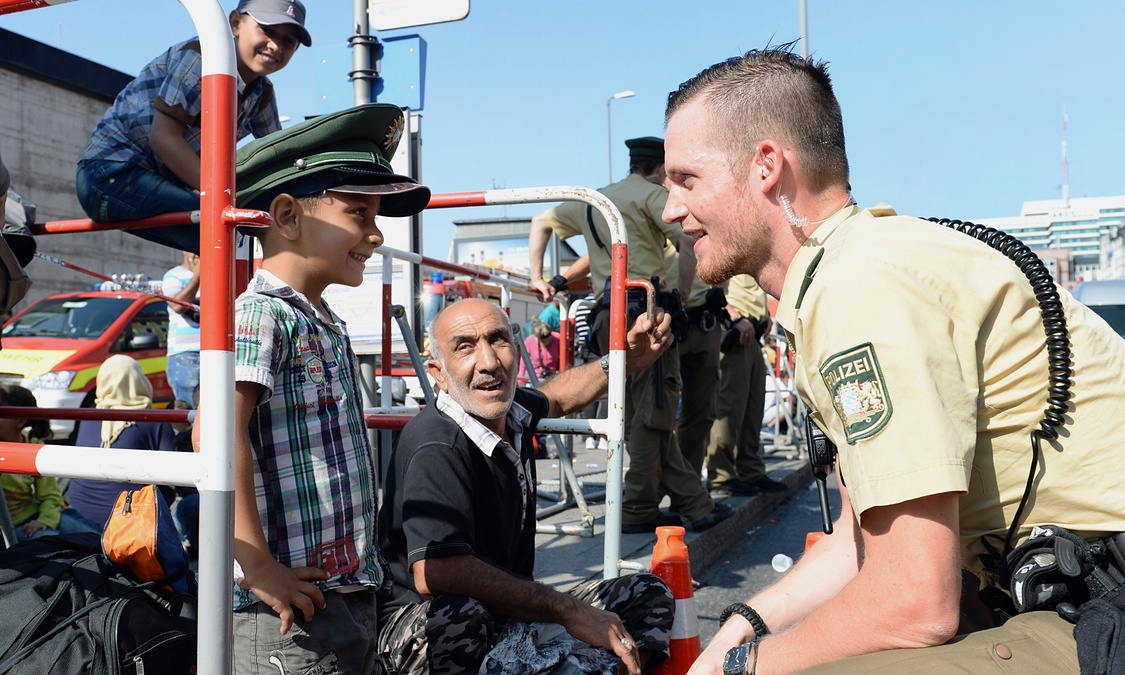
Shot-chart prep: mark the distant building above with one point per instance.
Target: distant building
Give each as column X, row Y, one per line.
column 50, row 101
column 502, row 244
column 1080, row 238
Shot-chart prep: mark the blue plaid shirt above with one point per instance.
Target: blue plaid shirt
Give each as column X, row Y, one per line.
column 314, row 476
column 172, row 83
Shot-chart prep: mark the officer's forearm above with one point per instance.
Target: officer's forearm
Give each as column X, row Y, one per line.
column 537, row 246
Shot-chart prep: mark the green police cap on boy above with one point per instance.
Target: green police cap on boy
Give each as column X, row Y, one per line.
column 345, row 151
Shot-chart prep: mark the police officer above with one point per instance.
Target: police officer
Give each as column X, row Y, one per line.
column 656, row 466
column 920, row 351
column 699, row 360
column 734, row 465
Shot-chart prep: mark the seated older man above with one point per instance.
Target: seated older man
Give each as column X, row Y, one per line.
column 458, row 518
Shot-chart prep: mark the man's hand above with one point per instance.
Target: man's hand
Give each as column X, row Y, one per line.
column 545, row 290
column 648, row 340
column 283, row 588
column 603, row 629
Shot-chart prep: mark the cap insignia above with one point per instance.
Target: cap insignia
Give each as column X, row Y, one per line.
column 855, row 381
column 289, row 10
column 394, row 134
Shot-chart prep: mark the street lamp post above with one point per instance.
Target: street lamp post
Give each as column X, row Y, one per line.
column 609, row 127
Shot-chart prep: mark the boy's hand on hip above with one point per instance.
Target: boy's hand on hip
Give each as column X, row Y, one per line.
column 284, row 588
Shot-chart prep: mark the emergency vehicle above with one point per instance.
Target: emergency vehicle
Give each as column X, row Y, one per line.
column 55, row 347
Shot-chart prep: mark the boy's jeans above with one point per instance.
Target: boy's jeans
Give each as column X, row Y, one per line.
column 183, row 375
column 110, row 191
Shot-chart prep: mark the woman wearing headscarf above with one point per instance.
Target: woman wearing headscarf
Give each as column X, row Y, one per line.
column 122, row 385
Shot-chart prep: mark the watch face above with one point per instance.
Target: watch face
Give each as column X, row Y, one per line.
column 736, row 661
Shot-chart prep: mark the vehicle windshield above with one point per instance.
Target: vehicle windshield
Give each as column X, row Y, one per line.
column 1114, row 315
column 80, row 318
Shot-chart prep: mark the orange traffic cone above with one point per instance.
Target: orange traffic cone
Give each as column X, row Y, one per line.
column 670, row 563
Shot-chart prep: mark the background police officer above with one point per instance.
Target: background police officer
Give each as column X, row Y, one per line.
column 656, row 466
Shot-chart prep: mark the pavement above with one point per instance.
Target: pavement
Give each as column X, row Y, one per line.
column 564, row 561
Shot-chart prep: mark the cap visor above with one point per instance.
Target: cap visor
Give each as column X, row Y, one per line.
column 278, row 19
column 401, row 196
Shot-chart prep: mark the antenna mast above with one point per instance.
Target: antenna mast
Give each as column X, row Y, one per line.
column 1065, row 168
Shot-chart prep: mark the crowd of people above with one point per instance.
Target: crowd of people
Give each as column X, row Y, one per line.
column 928, row 383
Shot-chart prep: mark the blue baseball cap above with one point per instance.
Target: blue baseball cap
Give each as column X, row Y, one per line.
column 278, row 12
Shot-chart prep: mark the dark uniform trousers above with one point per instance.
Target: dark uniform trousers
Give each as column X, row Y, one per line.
column 656, row 466
column 453, row 633
column 699, row 371
column 735, row 435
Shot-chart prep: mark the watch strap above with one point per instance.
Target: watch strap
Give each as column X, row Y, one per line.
column 605, row 365
column 748, row 612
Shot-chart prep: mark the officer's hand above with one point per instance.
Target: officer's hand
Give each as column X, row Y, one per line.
column 647, row 340
column 746, row 334
column 733, row 633
column 546, row 290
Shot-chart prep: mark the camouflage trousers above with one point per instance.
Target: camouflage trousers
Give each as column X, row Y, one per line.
column 453, row 633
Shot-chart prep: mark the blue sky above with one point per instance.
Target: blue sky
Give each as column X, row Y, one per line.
column 950, row 109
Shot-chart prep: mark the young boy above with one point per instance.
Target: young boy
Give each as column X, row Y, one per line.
column 143, row 157
column 305, row 541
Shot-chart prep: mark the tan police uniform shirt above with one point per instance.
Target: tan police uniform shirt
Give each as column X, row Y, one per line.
column 671, row 278
column 746, row 296
column 921, row 352
column 641, row 204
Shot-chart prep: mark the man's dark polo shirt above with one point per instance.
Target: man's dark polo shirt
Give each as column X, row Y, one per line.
column 444, row 497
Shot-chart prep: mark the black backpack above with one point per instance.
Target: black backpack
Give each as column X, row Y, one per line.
column 65, row 609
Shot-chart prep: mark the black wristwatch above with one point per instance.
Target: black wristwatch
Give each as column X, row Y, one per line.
column 738, row 660
column 745, row 610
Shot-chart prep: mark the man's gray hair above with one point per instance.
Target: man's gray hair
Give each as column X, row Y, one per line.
column 435, row 348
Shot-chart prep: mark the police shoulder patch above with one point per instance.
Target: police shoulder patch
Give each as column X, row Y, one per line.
column 855, row 381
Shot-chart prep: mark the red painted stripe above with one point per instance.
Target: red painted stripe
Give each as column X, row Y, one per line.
column 217, row 197
column 620, row 271
column 387, row 421
column 87, row 225
column 452, row 200
column 19, row 458
column 12, row 6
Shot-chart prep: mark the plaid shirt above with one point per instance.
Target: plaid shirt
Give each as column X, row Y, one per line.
column 173, row 81
column 314, row 477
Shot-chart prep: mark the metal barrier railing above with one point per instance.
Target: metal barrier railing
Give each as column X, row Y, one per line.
column 779, row 380
column 211, row 470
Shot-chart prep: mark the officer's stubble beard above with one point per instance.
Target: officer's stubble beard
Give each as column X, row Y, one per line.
column 735, row 248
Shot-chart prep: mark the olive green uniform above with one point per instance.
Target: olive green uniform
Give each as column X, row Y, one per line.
column 732, row 450
column 920, row 351
column 656, row 466
column 641, row 204
column 699, row 372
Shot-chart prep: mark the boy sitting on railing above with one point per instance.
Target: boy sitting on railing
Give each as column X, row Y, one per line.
column 143, row 157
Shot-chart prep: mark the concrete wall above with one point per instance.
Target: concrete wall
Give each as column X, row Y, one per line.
column 45, row 123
